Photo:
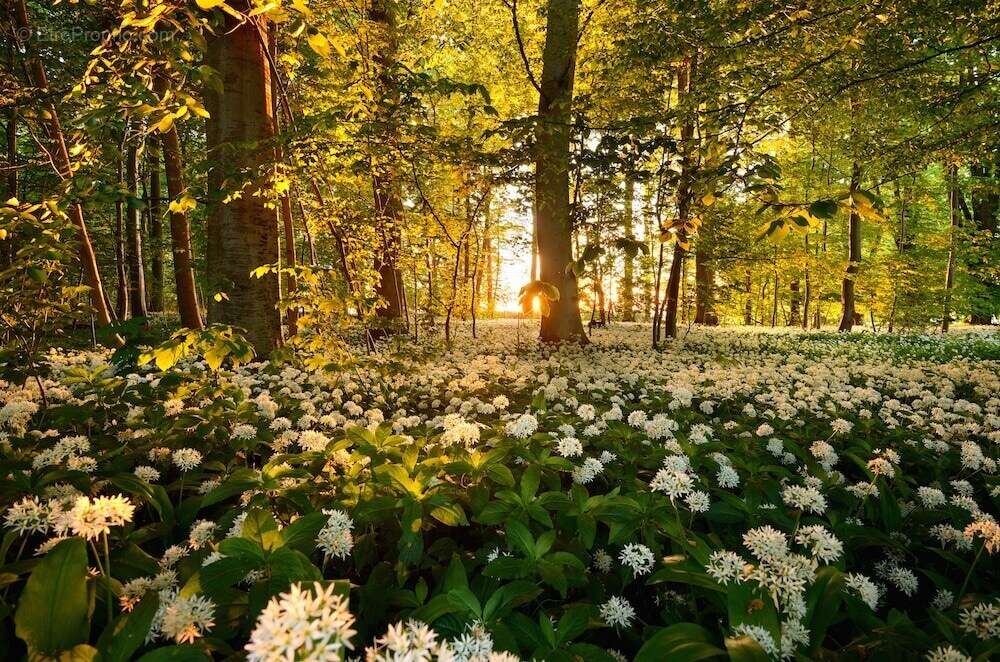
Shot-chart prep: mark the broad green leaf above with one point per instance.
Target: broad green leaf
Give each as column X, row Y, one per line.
column 52, row 612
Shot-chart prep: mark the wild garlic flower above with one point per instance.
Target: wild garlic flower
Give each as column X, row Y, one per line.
column 335, row 538
column 617, row 612
column 186, row 459
column 637, row 557
column 90, row 518
column 311, row 623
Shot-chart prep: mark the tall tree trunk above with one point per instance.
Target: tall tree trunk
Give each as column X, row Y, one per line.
column 61, row 163
column 847, row 296
column 949, row 276
column 774, row 301
column 552, row 145
column 646, row 259
column 121, row 271
column 704, row 281
column 385, row 184
column 287, row 222
column 748, row 305
column 10, row 163
column 155, row 226
column 795, row 301
column 247, row 227
column 985, row 214
column 133, row 238
column 628, row 270
column 807, row 295
column 180, row 232
column 684, row 75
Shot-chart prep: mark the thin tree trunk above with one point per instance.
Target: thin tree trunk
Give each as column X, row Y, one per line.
column 949, row 277
column 748, row 306
column 247, row 232
column 7, row 248
column 180, row 232
column 60, row 160
column 133, row 238
column 287, row 222
column 684, row 75
column 552, row 145
column 121, row 290
column 774, row 305
column 646, row 259
column 155, row 226
column 628, row 270
column 847, row 293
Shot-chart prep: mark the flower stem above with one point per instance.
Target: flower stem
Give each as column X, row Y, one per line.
column 968, row 575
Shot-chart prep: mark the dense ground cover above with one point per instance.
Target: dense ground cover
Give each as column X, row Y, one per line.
column 756, row 495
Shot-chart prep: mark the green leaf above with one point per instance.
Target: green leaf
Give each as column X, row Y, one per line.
column 745, row 649
column 301, row 534
column 467, row 600
column 573, row 623
column 823, row 599
column 260, row 527
column 129, row 631
column 175, row 654
column 681, row 642
column 450, row 514
column 823, row 209
column 520, row 539
column 52, row 612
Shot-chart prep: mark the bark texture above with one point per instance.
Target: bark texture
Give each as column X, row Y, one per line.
column 552, row 145
column 245, row 232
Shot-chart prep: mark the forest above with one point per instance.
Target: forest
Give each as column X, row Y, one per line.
column 498, row 330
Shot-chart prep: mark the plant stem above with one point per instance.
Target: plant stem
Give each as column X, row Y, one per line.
column 968, row 575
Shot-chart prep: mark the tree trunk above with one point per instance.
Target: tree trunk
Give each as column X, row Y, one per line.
column 628, row 271
column 7, row 249
column 985, row 208
column 949, row 276
column 853, row 257
column 774, row 302
column 647, row 258
column 795, row 301
column 133, row 238
column 704, row 283
column 247, row 230
column 121, row 289
column 180, row 232
column 155, row 226
column 748, row 306
column 385, row 184
column 59, row 156
column 552, row 145
column 684, row 75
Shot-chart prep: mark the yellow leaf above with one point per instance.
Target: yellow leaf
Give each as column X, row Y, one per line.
column 708, row 200
column 182, row 206
column 3, row 234
column 320, row 44
column 215, row 356
column 209, row 4
column 164, row 125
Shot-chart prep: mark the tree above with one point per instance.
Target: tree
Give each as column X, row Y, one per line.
column 59, row 156
column 245, row 233
column 552, row 143
column 385, row 183
column 133, row 238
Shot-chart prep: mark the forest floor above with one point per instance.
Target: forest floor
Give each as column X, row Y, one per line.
column 750, row 492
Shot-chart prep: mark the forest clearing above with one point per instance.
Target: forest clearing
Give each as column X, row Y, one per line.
column 499, row 330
